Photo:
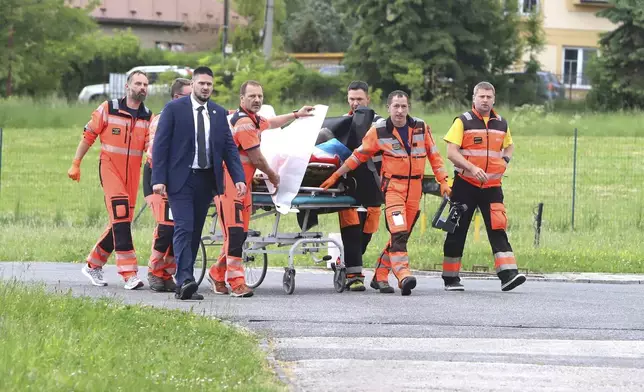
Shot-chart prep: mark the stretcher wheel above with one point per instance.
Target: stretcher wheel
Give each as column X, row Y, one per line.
column 201, row 264
column 288, row 281
column 255, row 276
column 339, row 279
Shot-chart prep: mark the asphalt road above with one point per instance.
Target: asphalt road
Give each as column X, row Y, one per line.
column 547, row 335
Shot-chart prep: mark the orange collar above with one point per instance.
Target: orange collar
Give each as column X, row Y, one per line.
column 252, row 116
column 477, row 114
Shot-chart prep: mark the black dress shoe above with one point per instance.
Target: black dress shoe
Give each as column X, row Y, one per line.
column 186, row 291
column 194, row 297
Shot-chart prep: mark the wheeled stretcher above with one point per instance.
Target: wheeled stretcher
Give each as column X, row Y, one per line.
column 309, row 200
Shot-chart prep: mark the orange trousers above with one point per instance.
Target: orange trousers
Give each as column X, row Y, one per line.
column 402, row 208
column 161, row 263
column 234, row 217
column 120, row 201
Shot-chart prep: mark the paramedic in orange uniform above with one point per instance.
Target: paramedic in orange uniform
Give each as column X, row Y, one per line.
column 405, row 143
column 162, row 265
column 480, row 146
column 233, row 211
column 122, row 125
column 357, row 228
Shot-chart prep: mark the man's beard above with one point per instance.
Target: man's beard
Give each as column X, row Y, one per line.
column 139, row 96
column 202, row 97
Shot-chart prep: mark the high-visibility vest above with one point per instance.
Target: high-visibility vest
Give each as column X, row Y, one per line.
column 397, row 164
column 483, row 146
column 256, row 124
column 124, row 139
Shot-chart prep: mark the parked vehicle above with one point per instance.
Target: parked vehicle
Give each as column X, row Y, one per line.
column 116, row 86
column 526, row 88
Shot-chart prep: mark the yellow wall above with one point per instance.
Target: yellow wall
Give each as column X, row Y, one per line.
column 570, row 14
column 569, row 23
column 317, row 60
column 552, row 57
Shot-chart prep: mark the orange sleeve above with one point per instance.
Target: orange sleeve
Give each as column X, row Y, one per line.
column 149, row 135
column 263, row 124
column 245, row 134
column 366, row 150
column 96, row 124
column 435, row 159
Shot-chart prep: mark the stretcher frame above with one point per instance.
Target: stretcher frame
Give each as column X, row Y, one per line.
column 297, row 243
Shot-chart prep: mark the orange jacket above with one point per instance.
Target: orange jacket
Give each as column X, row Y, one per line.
column 152, row 130
column 396, row 162
column 246, row 130
column 123, row 139
column 483, row 146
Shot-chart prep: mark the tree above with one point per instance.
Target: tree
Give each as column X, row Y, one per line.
column 38, row 39
column 249, row 37
column 534, row 40
column 101, row 54
column 315, row 27
column 450, row 45
column 617, row 74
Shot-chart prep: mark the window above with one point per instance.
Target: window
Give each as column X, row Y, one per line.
column 575, row 66
column 176, row 47
column 162, row 45
column 528, row 6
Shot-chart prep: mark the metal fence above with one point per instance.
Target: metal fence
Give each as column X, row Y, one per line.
column 578, row 191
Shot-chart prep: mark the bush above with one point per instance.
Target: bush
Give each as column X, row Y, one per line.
column 117, row 54
column 284, row 80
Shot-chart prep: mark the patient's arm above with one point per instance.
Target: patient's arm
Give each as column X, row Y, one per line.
column 258, row 160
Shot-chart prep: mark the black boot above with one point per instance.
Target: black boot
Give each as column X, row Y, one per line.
column 510, row 279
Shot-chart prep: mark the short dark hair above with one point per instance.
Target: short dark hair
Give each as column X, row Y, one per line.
column 131, row 75
column 484, row 86
column 178, row 85
column 396, row 93
column 359, row 85
column 202, row 71
column 242, row 89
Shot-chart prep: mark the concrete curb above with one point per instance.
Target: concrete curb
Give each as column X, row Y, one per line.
column 278, row 369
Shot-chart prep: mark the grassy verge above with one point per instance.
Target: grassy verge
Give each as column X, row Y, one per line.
column 61, row 343
column 18, row 113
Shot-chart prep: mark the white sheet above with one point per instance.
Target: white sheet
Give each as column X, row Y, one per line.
column 288, row 151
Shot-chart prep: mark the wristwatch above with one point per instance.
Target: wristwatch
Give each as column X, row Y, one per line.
column 506, row 159
column 295, row 114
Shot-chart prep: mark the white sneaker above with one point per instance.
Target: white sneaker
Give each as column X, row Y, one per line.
column 133, row 283
column 95, row 275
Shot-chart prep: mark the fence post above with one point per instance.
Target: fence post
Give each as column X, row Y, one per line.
column 538, row 217
column 574, row 180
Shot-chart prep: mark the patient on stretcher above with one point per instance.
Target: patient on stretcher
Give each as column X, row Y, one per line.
column 328, row 155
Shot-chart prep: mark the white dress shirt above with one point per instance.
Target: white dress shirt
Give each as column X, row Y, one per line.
column 206, row 121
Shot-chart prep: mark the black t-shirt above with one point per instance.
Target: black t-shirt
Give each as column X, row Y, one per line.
column 133, row 112
column 404, row 135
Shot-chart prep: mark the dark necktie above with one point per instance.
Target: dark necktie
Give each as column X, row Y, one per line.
column 201, row 139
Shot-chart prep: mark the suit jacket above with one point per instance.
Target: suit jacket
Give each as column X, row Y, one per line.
column 174, row 146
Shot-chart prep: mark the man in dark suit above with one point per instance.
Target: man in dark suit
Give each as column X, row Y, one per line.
column 192, row 141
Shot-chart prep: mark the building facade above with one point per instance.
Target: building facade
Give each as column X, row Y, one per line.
column 166, row 24
column 572, row 31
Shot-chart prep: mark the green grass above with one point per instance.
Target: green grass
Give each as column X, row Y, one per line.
column 62, row 343
column 46, row 216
